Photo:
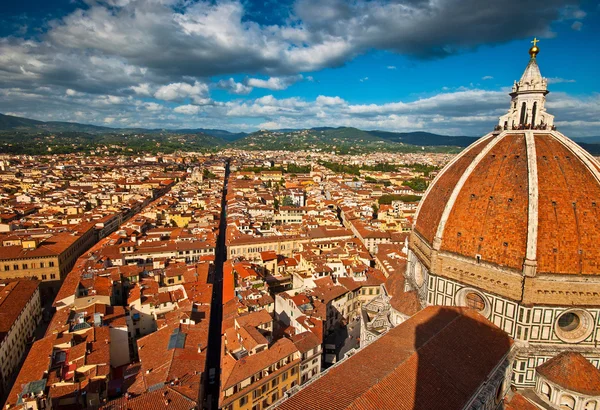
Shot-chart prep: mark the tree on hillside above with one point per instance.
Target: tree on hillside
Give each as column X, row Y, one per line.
column 417, row 184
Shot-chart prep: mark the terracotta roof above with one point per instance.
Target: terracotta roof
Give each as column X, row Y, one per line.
column 306, row 341
column 254, row 319
column 490, row 214
column 413, row 366
column 164, row 361
column 518, row 402
column 407, row 302
column 164, row 398
column 34, row 368
column 14, row 296
column 573, row 372
column 235, row 371
column 494, row 201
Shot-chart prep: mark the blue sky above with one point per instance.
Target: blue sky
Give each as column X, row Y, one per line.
column 435, row 65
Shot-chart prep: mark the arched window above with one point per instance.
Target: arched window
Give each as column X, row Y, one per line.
column 567, row 402
column 591, row 405
column 523, row 112
column 533, row 112
column 547, row 391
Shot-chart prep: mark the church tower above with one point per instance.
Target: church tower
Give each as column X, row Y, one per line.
column 527, row 107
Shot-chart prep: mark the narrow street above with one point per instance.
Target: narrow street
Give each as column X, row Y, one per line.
column 216, row 312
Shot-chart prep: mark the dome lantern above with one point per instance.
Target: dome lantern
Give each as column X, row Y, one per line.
column 528, row 98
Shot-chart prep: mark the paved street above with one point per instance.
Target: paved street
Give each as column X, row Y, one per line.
column 216, row 313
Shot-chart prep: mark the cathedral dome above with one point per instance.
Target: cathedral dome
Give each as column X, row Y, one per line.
column 518, row 212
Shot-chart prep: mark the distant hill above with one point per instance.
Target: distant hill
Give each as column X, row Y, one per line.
column 348, row 140
column 224, row 135
column 425, row 138
column 10, row 122
column 26, row 136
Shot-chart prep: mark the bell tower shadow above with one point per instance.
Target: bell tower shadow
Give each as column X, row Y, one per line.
column 461, row 361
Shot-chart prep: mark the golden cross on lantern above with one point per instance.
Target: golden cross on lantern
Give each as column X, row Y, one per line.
column 535, row 41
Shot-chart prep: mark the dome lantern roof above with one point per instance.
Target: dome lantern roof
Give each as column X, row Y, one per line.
column 528, row 98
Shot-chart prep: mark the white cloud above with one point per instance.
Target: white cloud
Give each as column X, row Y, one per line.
column 558, row 80
column 362, row 80
column 391, row 67
column 142, row 89
column 198, row 92
column 324, row 100
column 98, row 62
column 233, row 87
column 188, row 109
column 109, row 120
column 577, row 26
column 150, row 106
column 274, row 83
column 487, row 77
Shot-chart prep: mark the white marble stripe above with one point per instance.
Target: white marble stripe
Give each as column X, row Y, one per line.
column 448, row 165
column 437, row 241
column 582, row 154
column 532, row 220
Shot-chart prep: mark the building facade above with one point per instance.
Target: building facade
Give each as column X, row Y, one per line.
column 21, row 311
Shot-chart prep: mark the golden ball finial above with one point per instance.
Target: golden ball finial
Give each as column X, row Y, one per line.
column 533, row 51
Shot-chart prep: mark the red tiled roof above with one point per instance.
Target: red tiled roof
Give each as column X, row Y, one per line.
column 414, row 366
column 165, row 398
column 573, row 372
column 305, row 341
column 35, row 366
column 14, row 296
column 518, row 402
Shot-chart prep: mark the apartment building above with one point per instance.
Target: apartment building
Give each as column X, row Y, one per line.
column 46, row 257
column 20, row 313
column 256, row 381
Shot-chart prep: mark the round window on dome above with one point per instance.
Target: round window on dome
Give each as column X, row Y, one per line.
column 574, row 325
column 475, row 301
column 568, row 322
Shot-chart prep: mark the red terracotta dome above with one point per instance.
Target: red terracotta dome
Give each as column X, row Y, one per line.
column 521, row 200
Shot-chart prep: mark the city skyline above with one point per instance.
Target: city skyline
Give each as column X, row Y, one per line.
column 244, row 66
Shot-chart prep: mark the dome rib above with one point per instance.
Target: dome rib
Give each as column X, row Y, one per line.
column 532, row 218
column 428, row 214
column 437, row 241
column 586, row 157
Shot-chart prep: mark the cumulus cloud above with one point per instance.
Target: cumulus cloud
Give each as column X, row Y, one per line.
column 133, row 43
column 274, row 83
column 324, row 100
column 134, row 60
column 558, row 80
column 233, row 87
column 142, row 89
column 197, row 92
column 188, row 109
